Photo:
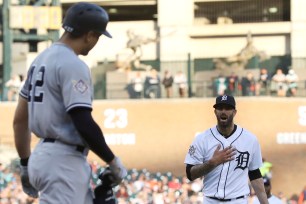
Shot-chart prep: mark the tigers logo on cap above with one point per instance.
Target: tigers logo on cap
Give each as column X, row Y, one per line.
column 225, row 99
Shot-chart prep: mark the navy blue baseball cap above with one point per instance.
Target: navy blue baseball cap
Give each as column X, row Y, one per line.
column 225, row 99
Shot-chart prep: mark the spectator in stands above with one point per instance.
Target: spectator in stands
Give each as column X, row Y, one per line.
column 181, row 81
column 271, row 198
column 263, row 82
column 233, row 81
column 302, row 196
column 122, row 192
column 292, row 79
column 220, row 84
column 293, row 199
column 266, row 169
column 152, row 85
column 137, row 83
column 279, row 80
column 168, row 82
column 283, row 198
column 248, row 85
column 13, row 86
column 174, row 183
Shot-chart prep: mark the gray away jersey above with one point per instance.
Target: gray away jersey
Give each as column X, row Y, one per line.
column 228, row 180
column 57, row 82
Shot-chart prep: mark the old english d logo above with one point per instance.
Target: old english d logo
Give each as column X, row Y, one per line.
column 242, row 160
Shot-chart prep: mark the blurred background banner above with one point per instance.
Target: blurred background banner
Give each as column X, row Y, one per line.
column 35, row 17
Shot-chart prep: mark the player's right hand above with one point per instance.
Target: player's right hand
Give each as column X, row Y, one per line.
column 117, row 170
column 224, row 155
column 26, row 185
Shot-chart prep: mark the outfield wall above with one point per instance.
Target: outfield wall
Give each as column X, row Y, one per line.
column 156, row 134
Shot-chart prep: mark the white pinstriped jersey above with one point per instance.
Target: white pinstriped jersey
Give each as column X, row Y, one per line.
column 228, row 180
column 57, row 82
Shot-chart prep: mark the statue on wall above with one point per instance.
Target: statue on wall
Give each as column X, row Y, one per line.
column 131, row 56
column 240, row 60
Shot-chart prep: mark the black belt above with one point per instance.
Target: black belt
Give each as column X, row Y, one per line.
column 226, row 200
column 78, row 148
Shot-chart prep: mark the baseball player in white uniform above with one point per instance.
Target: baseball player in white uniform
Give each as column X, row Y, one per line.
column 55, row 104
column 227, row 156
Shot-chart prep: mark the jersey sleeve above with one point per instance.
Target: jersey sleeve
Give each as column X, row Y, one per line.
column 76, row 87
column 24, row 91
column 256, row 162
column 195, row 152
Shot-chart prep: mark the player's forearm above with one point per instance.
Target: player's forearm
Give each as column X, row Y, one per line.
column 200, row 170
column 22, row 141
column 22, row 134
column 97, row 144
column 259, row 189
column 91, row 133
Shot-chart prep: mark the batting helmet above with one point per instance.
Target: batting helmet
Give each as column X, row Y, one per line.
column 83, row 17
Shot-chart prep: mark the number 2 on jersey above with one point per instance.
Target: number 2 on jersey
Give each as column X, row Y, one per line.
column 35, row 94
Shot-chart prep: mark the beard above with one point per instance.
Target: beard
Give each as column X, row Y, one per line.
column 225, row 123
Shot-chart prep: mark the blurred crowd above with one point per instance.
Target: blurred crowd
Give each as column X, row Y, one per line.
column 278, row 84
column 151, row 84
column 139, row 187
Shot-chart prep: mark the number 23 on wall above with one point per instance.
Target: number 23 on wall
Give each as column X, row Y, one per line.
column 115, row 118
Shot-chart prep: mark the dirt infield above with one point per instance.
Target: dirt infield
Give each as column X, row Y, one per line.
column 155, row 134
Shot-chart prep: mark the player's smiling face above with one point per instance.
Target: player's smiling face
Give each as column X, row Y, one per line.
column 225, row 115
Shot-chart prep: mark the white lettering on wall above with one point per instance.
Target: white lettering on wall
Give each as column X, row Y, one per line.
column 115, row 118
column 120, row 138
column 291, row 138
column 302, row 115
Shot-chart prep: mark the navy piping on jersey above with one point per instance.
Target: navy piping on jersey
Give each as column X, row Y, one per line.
column 230, row 162
column 24, row 95
column 78, row 105
column 223, row 164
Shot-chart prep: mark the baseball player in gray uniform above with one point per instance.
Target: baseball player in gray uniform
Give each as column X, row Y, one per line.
column 227, row 156
column 55, row 104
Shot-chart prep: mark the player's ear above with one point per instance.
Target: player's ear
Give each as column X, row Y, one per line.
column 92, row 35
column 88, row 36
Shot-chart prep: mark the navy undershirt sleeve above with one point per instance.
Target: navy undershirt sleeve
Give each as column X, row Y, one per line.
column 188, row 173
column 91, row 133
column 255, row 174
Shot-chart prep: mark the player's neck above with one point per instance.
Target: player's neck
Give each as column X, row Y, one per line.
column 226, row 131
column 73, row 44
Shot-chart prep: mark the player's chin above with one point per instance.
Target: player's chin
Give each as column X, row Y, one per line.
column 223, row 122
column 84, row 53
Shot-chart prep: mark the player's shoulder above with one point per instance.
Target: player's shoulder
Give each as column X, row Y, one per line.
column 66, row 56
column 204, row 134
column 247, row 133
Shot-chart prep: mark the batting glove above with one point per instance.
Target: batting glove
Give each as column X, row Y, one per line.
column 118, row 171
column 26, row 186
